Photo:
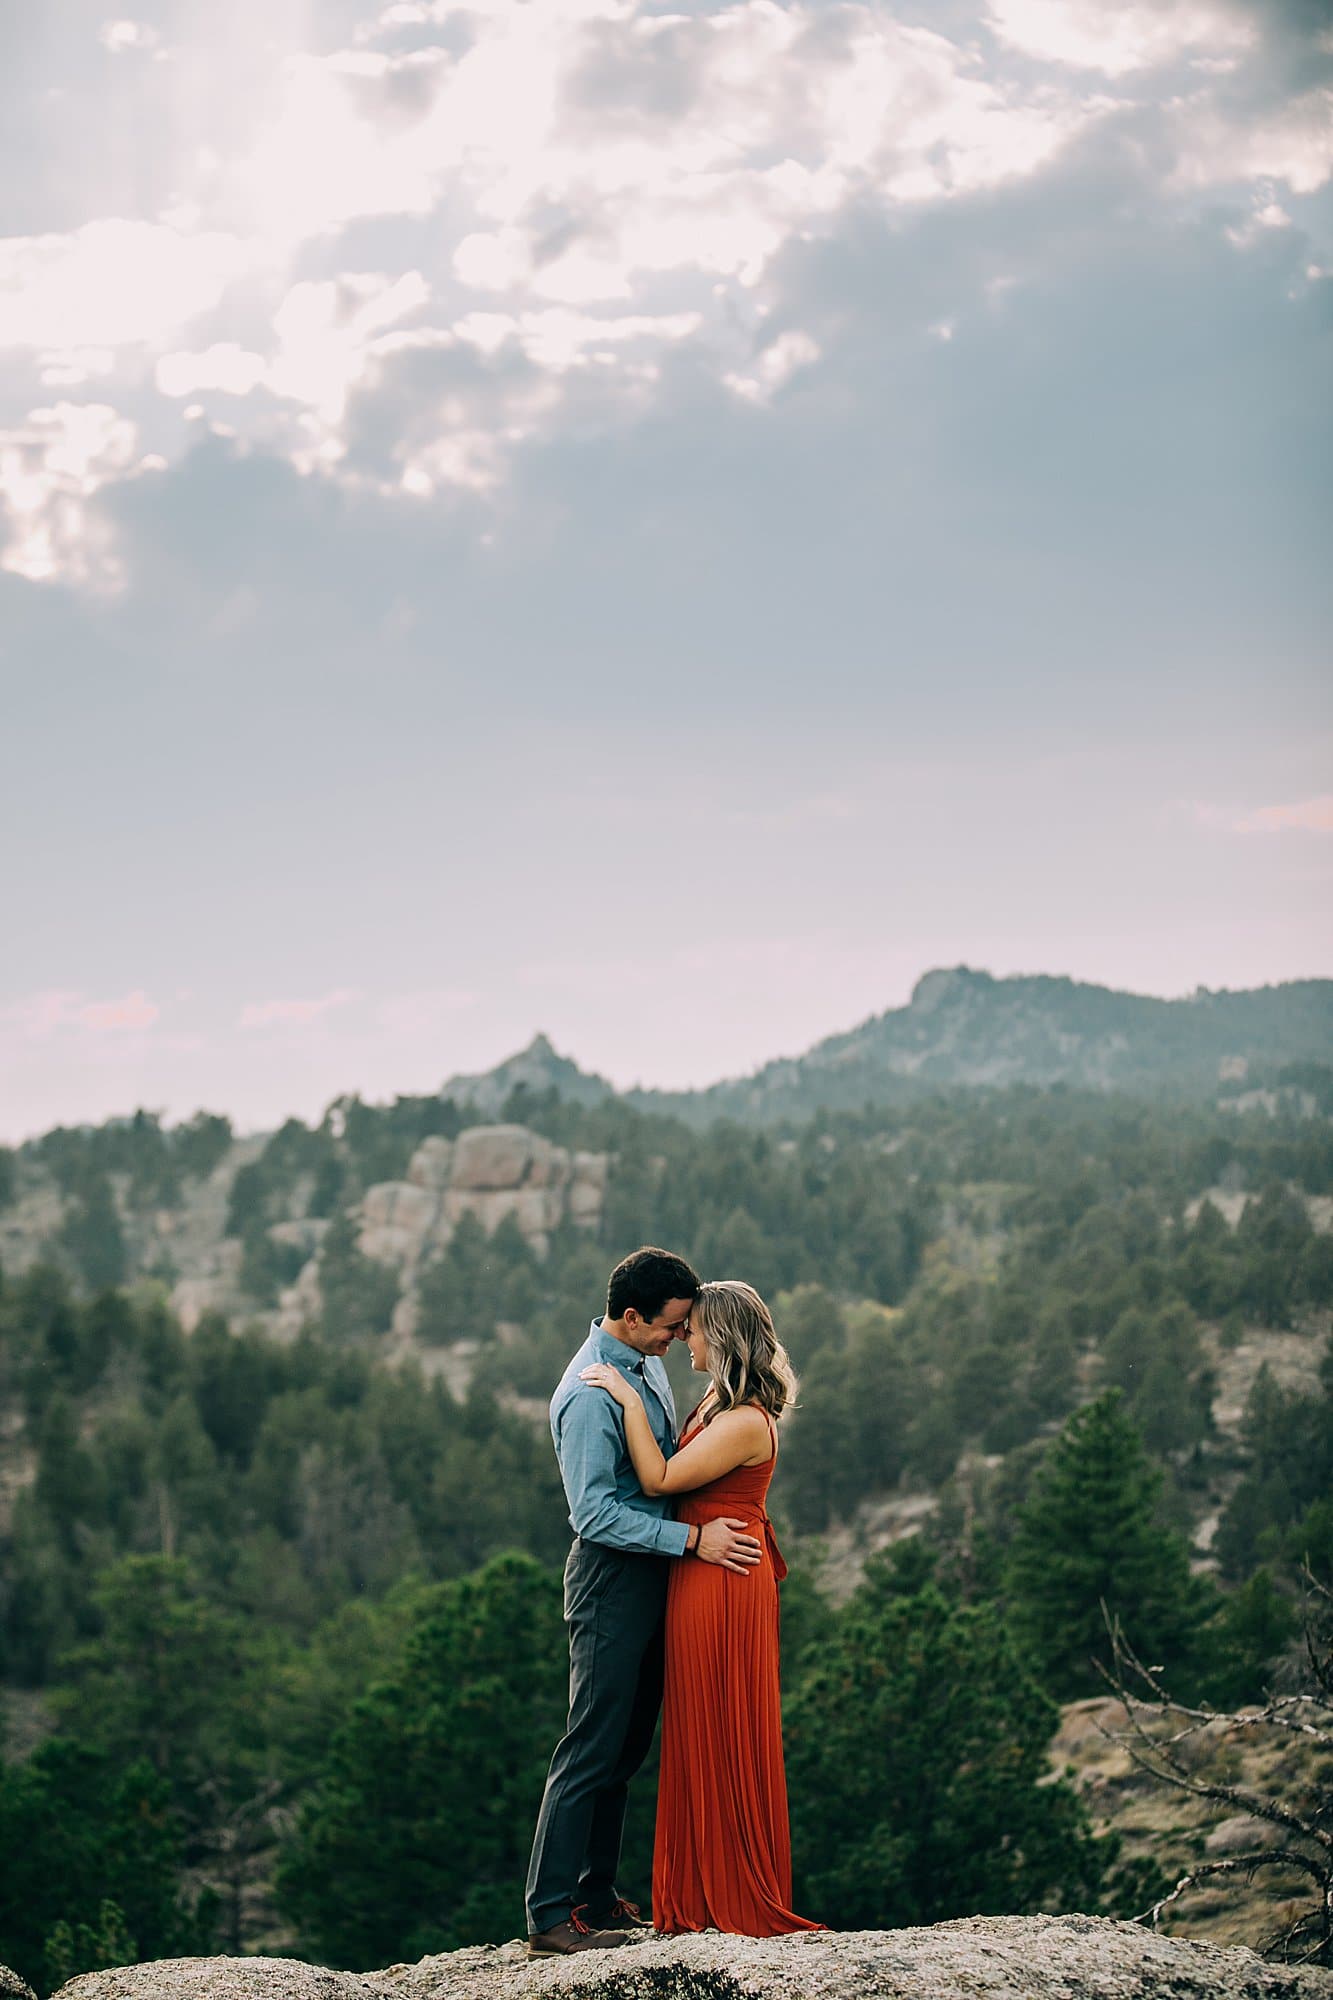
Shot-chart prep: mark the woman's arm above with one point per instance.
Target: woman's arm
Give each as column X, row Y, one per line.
column 644, row 1450
column 727, row 1442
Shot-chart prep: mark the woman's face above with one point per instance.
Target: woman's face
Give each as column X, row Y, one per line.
column 694, row 1340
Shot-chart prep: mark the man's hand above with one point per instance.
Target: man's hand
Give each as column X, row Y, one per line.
column 719, row 1542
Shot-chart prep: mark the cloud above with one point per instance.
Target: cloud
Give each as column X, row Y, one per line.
column 573, row 157
column 1309, row 816
column 1291, row 143
column 330, row 154
column 118, row 37
column 49, row 468
column 1118, row 37
column 775, row 365
column 294, row 1013
column 135, row 1010
column 224, row 366
column 410, row 252
column 325, row 336
column 111, row 283
column 47, row 1013
column 555, row 338
column 907, row 507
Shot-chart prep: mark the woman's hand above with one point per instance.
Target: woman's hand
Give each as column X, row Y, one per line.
column 603, row 1376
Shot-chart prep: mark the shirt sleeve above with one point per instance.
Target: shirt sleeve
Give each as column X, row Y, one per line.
column 588, row 1444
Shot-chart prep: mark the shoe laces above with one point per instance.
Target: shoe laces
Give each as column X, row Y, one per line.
column 622, row 1907
column 576, row 1922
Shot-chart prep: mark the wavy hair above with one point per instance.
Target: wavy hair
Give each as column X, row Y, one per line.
column 747, row 1363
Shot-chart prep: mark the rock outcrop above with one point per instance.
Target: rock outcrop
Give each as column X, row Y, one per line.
column 490, row 1172
column 974, row 1958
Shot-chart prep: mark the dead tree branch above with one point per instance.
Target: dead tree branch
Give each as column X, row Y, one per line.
column 1156, row 1729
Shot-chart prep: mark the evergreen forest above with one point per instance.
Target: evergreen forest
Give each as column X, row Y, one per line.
column 281, row 1650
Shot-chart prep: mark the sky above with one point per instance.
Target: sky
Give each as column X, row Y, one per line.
column 657, row 524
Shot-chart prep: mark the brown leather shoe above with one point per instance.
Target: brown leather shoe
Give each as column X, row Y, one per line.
column 576, row 1935
column 622, row 1916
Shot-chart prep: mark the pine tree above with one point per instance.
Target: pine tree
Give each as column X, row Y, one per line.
column 917, row 1764
column 161, row 1678
column 91, row 1234
column 417, row 1836
column 359, row 1293
column 93, row 1856
column 1089, row 1534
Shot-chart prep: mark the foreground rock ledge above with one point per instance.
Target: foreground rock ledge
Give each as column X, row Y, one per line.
column 973, row 1958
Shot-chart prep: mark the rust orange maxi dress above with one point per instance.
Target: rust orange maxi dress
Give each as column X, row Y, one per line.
column 722, row 1855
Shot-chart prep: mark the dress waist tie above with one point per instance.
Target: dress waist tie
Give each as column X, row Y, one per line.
column 774, row 1552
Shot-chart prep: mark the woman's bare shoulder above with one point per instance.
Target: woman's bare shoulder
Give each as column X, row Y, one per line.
column 745, row 1419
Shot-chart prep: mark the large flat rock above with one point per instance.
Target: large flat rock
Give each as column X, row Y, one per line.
column 973, row 1958
column 222, row 1979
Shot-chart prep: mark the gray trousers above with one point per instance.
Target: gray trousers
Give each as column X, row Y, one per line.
column 615, row 1606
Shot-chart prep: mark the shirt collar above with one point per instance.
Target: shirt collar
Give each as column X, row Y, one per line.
column 615, row 1351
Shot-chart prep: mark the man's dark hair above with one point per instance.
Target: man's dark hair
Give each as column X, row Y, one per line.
column 646, row 1279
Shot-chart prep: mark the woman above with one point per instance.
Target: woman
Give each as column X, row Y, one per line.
column 722, row 1856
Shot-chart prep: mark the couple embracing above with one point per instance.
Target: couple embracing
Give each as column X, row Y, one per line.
column 671, row 1584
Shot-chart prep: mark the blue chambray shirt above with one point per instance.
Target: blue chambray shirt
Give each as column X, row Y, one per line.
column 606, row 1502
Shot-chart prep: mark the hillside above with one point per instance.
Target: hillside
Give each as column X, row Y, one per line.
column 280, row 1404
column 966, row 1028
column 953, row 1276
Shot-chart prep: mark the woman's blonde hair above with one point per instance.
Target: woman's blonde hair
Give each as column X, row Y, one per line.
column 746, row 1360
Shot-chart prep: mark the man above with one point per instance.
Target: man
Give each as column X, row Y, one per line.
column 615, row 1601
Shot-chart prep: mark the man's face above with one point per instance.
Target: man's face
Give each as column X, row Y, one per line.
column 655, row 1335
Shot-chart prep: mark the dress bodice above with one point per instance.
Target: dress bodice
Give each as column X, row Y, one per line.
column 742, row 1492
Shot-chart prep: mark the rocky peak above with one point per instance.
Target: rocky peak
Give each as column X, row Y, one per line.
column 538, row 1067
column 947, row 983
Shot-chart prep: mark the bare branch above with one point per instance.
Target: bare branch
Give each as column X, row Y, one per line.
column 1162, row 1748
column 1157, row 1727
column 1236, row 1864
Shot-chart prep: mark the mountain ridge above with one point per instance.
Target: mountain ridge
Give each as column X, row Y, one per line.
column 964, row 1026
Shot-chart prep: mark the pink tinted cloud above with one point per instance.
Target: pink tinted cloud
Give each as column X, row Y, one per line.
column 136, row 1010
column 1309, row 816
column 294, row 1013
column 45, row 1013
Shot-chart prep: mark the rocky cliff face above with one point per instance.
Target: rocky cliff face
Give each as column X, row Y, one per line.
column 490, row 1172
column 974, row 1958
